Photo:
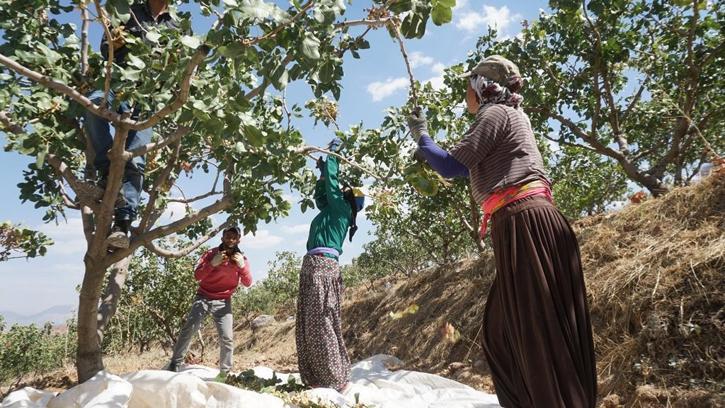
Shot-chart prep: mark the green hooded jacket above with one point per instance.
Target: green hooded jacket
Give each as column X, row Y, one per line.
column 329, row 227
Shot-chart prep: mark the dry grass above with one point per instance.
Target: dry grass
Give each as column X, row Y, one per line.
column 656, row 281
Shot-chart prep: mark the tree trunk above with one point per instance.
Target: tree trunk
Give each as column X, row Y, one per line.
column 112, row 293
column 648, row 181
column 89, row 360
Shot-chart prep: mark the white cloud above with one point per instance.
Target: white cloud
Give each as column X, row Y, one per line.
column 173, row 212
column 460, row 4
column 418, row 59
column 381, row 90
column 438, row 68
column 291, row 198
column 68, row 238
column 490, row 16
column 262, row 240
column 436, row 82
column 296, row 229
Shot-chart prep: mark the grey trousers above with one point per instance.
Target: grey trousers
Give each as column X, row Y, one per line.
column 221, row 311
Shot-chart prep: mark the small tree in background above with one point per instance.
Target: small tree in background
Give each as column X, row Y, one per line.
column 17, row 242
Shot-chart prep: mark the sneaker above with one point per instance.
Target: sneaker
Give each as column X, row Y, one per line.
column 221, row 377
column 172, row 367
column 118, row 238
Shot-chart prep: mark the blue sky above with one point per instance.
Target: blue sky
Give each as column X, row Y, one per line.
column 371, row 84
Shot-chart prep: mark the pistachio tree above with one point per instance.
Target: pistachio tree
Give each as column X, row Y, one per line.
column 637, row 83
column 214, row 100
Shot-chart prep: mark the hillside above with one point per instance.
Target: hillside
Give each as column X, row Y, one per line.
column 655, row 275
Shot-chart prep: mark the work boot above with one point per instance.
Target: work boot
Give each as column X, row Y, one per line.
column 118, row 238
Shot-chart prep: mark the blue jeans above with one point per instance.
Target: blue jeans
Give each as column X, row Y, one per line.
column 99, row 132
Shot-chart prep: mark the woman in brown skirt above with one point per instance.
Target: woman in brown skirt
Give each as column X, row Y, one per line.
column 321, row 353
column 537, row 334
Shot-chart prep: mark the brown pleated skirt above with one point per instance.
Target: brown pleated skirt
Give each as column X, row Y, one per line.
column 321, row 353
column 537, row 333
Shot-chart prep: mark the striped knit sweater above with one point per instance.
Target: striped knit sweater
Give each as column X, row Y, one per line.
column 499, row 151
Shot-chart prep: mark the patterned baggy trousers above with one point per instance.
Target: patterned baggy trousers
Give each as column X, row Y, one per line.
column 321, row 353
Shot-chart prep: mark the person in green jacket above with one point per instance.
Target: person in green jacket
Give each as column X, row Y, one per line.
column 321, row 353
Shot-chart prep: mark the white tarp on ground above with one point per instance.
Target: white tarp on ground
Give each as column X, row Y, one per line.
column 370, row 379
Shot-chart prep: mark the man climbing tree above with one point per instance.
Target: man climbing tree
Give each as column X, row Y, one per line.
column 142, row 17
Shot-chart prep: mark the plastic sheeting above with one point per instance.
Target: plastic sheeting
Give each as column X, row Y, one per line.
column 370, row 382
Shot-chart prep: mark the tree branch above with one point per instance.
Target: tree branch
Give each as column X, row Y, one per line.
column 142, row 150
column 601, row 66
column 413, row 94
column 66, row 198
column 9, row 125
column 253, row 41
column 371, row 23
column 213, row 192
column 146, row 238
column 105, row 212
column 64, row 171
column 65, row 90
column 156, row 189
column 84, row 37
column 594, row 142
column 635, row 100
column 112, row 293
column 183, row 94
column 307, row 151
column 257, row 91
column 188, row 249
column 564, row 142
column 111, row 50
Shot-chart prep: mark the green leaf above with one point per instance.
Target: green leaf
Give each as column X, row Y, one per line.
column 200, row 105
column 191, row 41
column 311, row 46
column 441, row 14
column 40, row 159
column 445, row 3
column 413, row 25
column 254, row 136
column 135, row 61
column 280, row 76
column 231, row 50
column 327, row 72
column 119, row 10
column 153, row 36
column 131, row 74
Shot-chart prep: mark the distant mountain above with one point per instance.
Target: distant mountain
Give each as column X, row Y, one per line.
column 56, row 314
